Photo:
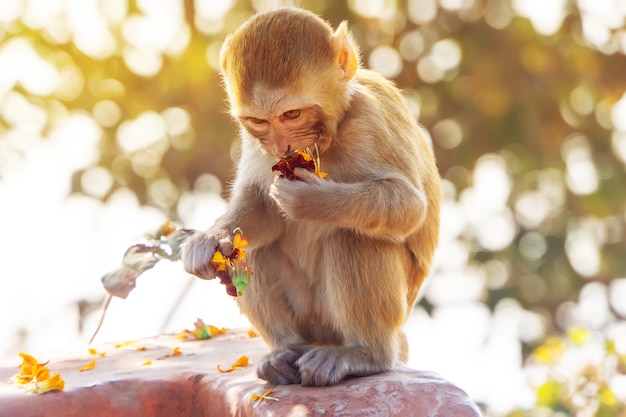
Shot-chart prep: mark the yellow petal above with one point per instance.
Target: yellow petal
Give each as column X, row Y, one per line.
column 128, row 342
column 176, row 351
column 42, row 373
column 307, row 155
column 215, row 331
column 167, row 228
column 224, row 371
column 239, row 241
column 88, row 366
column 218, row 261
column 320, row 174
column 241, row 362
column 29, row 365
column 54, row 383
column 31, row 370
column 261, row 396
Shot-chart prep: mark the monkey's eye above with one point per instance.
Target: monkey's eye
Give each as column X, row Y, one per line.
column 256, row 121
column 292, row 114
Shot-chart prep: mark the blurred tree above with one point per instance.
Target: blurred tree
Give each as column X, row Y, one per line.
column 525, row 103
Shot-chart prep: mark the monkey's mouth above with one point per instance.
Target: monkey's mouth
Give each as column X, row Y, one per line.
column 306, row 159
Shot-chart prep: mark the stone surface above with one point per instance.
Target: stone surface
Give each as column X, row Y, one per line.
column 190, row 386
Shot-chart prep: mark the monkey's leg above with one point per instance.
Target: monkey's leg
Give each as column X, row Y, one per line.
column 368, row 302
column 265, row 306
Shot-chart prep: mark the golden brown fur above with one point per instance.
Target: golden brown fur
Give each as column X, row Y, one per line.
column 338, row 263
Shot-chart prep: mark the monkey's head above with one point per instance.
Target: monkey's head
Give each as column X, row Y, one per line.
column 287, row 76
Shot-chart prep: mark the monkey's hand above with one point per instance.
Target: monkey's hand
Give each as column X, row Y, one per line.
column 199, row 250
column 293, row 197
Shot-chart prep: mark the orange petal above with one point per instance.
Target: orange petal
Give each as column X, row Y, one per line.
column 88, row 366
column 176, row 351
column 215, row 331
column 224, row 371
column 239, row 241
column 128, row 342
column 42, row 373
column 54, row 383
column 94, row 352
column 167, row 228
column 218, row 261
column 242, row 362
column 29, row 365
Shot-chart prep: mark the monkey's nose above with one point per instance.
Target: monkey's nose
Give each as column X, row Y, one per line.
column 282, row 151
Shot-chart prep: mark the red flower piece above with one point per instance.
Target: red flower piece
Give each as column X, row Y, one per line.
column 287, row 165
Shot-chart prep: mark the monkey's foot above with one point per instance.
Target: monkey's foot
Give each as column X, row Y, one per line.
column 324, row 365
column 280, row 367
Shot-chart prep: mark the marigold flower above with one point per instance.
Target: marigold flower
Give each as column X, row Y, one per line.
column 219, row 261
column 299, row 159
column 54, row 383
column 239, row 242
column 35, row 377
column 232, row 269
column 30, row 370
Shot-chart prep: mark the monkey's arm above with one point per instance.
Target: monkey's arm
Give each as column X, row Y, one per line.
column 248, row 210
column 388, row 206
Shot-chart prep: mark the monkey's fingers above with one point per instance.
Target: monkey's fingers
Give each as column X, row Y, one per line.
column 280, row 368
column 197, row 254
column 226, row 246
column 306, row 175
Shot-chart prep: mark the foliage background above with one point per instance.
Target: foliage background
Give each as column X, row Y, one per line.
column 524, row 100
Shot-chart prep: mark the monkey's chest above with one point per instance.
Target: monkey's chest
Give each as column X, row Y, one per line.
column 302, row 243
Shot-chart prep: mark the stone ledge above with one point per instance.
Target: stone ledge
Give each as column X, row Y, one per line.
column 190, row 386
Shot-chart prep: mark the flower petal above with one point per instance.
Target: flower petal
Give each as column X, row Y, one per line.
column 219, row 261
column 88, row 367
column 54, row 383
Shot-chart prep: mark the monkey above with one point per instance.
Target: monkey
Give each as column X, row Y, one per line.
column 338, row 262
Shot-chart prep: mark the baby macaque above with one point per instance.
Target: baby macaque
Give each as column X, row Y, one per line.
column 338, row 261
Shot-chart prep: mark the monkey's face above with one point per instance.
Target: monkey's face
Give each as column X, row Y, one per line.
column 287, row 76
column 286, row 130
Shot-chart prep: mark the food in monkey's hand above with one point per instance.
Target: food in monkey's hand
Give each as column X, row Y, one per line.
column 232, row 270
column 299, row 159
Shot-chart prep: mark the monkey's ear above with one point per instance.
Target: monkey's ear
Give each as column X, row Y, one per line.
column 345, row 51
column 223, row 51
